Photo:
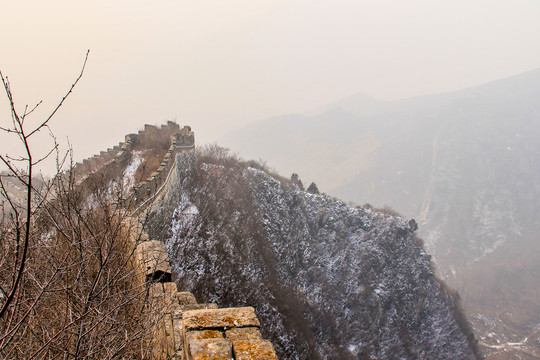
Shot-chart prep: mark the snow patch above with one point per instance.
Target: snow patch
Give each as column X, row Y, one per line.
column 128, row 178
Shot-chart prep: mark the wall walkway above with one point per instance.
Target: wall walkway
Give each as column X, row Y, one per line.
column 185, row 329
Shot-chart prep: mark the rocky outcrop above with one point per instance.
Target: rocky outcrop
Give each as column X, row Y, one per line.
column 327, row 280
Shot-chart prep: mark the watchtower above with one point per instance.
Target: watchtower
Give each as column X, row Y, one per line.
column 184, row 140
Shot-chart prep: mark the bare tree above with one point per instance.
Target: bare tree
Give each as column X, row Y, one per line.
column 69, row 286
column 21, row 217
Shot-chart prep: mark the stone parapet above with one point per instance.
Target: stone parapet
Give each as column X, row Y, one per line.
column 152, row 255
column 185, row 139
column 97, row 162
column 220, row 318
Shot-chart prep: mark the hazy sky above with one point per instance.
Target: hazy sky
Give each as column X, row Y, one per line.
column 217, row 64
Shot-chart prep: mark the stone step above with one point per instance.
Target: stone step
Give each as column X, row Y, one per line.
column 189, row 307
column 254, row 350
column 220, row 318
column 215, row 349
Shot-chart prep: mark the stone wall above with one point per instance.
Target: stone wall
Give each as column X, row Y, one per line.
column 184, row 140
column 104, row 158
column 99, row 161
column 184, row 329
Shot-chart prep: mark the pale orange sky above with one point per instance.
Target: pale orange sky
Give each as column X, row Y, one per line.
column 219, row 64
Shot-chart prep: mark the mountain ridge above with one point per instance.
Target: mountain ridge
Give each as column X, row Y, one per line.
column 461, row 163
column 327, row 280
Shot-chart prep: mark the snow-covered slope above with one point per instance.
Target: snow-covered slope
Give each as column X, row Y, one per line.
column 328, row 281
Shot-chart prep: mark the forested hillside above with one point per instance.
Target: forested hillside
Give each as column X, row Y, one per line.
column 328, row 281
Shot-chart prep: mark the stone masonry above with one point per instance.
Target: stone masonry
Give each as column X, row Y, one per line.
column 184, row 328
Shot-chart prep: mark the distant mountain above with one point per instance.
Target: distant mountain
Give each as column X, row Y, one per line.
column 463, row 164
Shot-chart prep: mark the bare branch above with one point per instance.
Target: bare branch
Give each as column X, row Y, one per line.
column 8, row 130
column 32, row 110
column 45, row 156
column 72, row 288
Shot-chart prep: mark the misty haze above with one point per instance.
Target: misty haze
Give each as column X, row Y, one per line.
column 263, row 180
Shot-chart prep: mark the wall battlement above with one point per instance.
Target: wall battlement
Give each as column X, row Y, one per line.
column 99, row 161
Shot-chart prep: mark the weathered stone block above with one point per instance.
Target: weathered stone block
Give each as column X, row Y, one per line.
column 135, row 229
column 168, row 332
column 132, row 224
column 205, row 349
column 163, row 341
column 220, row 318
column 177, row 329
column 247, row 333
column 156, row 291
column 153, row 258
column 170, row 288
column 185, row 297
column 254, row 350
column 164, row 298
column 189, row 307
column 204, row 334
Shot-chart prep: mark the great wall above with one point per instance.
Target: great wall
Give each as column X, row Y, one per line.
column 185, row 329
